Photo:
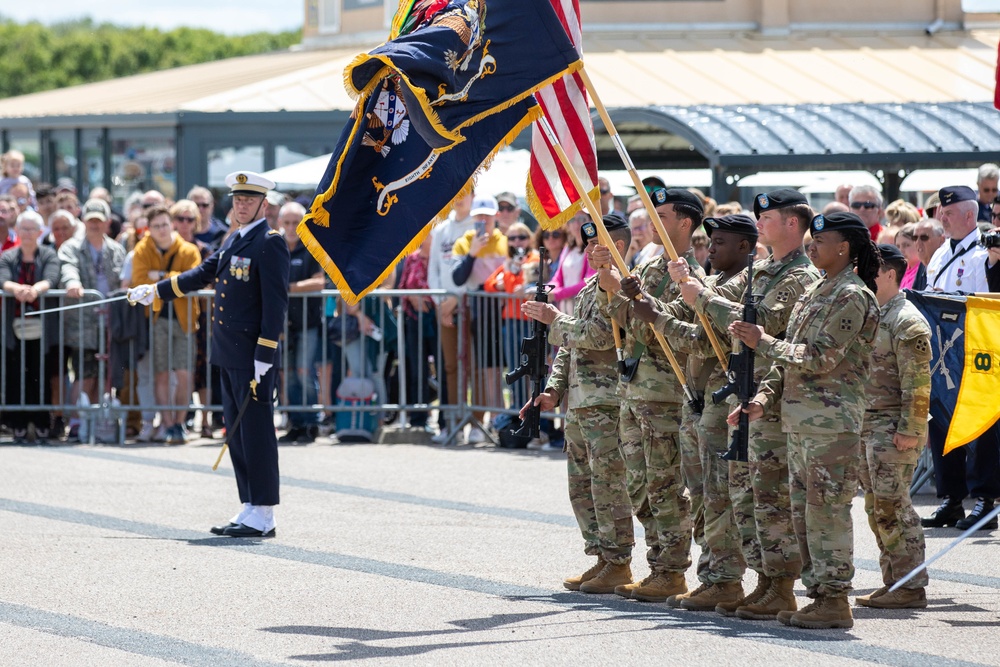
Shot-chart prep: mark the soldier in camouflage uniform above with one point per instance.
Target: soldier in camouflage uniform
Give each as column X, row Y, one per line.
column 733, row 238
column 651, row 410
column 758, row 490
column 585, row 372
column 819, row 375
column 895, row 426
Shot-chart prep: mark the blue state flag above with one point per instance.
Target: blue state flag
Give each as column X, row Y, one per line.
column 965, row 379
column 430, row 113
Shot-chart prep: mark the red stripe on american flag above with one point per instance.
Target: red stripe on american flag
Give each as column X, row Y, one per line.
column 566, row 105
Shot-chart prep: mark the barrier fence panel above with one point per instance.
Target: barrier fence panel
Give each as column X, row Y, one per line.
column 113, row 370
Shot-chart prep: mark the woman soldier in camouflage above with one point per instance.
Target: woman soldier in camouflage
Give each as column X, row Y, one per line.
column 819, row 373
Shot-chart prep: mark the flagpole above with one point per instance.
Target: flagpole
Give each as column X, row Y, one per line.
column 647, row 202
column 923, row 566
column 606, row 239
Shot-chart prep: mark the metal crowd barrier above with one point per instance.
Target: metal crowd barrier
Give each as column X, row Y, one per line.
column 406, row 363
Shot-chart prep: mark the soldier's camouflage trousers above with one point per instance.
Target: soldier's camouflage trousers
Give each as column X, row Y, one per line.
column 597, row 491
column 691, row 473
column 721, row 535
column 823, row 469
column 778, row 549
column 885, row 474
column 653, row 471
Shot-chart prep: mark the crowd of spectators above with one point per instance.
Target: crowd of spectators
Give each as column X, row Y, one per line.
column 485, row 254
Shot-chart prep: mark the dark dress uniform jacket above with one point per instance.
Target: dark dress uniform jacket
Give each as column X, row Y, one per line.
column 251, row 295
column 250, row 274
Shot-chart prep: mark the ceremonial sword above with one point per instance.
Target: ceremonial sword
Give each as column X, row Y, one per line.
column 231, row 430
column 77, row 305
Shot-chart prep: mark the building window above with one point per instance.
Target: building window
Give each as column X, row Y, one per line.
column 224, row 160
column 92, row 147
column 329, row 17
column 143, row 160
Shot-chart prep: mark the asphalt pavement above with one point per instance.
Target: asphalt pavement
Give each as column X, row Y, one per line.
column 386, row 555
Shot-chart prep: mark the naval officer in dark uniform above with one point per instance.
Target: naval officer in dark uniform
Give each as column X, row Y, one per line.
column 250, row 276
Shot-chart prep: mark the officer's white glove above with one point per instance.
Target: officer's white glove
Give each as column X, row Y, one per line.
column 143, row 294
column 260, row 369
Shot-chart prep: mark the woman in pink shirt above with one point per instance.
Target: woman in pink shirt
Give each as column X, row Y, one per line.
column 573, row 269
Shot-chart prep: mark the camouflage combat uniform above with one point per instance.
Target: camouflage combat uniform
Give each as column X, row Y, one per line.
column 819, row 375
column 759, row 491
column 649, row 430
column 898, row 400
column 711, row 433
column 585, row 372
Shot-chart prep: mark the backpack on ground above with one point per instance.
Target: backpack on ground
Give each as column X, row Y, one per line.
column 356, row 425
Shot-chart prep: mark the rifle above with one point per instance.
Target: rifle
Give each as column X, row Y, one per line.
column 740, row 377
column 534, row 359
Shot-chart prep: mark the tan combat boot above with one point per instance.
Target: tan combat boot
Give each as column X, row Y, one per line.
column 779, row 597
column 722, row 592
column 863, row 600
column 625, row 590
column 660, row 587
column 573, row 583
column 729, row 608
column 825, row 613
column 674, row 601
column 901, row 598
column 612, row 576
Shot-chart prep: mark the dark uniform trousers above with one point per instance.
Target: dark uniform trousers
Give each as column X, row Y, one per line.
column 253, row 448
column 250, row 276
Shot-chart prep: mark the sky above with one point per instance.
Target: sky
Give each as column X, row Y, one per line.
column 224, row 16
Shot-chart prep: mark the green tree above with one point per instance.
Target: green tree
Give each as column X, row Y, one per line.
column 35, row 57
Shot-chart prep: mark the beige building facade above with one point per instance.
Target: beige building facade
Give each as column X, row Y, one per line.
column 340, row 22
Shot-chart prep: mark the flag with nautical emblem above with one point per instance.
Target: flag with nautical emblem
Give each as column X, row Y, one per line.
column 435, row 103
column 965, row 351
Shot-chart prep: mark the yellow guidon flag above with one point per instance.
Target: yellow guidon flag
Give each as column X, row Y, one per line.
column 978, row 405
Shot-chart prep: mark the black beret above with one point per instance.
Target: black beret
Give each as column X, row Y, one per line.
column 956, row 193
column 612, row 221
column 782, row 198
column 839, row 222
column 653, row 182
column 661, row 196
column 890, row 252
column 737, row 223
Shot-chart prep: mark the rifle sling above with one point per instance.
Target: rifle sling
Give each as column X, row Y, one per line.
column 801, row 260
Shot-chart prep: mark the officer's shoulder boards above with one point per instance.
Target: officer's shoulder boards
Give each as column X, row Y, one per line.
column 272, row 232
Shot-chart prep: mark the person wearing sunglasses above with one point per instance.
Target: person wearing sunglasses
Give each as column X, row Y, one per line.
column 986, row 181
column 159, row 255
column 210, row 230
column 476, row 255
column 554, row 241
column 571, row 267
column 961, row 265
column 508, row 211
column 928, row 235
column 866, row 203
column 186, row 218
column 915, row 275
column 517, row 271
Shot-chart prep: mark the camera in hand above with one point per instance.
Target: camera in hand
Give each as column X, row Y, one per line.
column 990, row 240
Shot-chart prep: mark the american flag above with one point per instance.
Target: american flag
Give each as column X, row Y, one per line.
column 551, row 194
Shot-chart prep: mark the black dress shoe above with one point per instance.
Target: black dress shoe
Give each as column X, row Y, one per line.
column 240, row 530
column 982, row 508
column 949, row 513
column 221, row 530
